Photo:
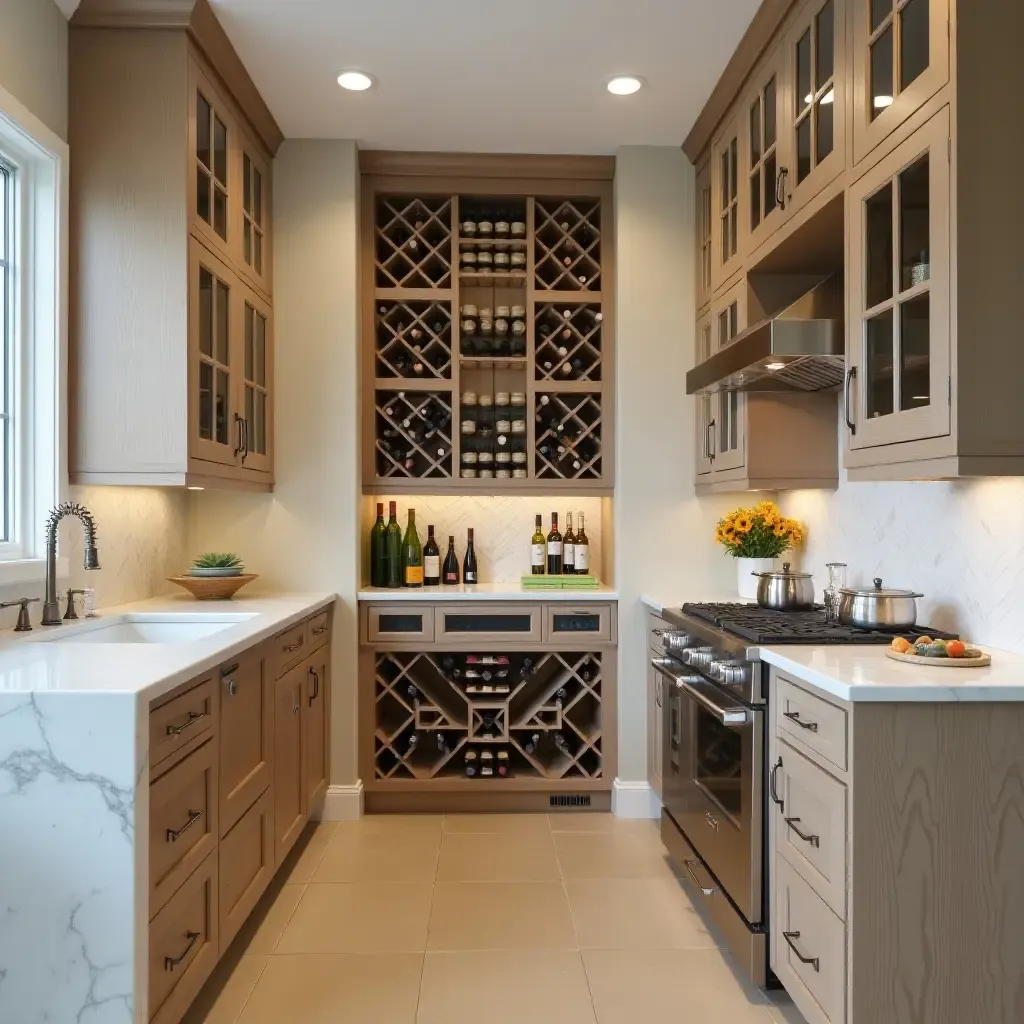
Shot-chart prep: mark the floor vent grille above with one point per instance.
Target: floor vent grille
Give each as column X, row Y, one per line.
column 569, row 801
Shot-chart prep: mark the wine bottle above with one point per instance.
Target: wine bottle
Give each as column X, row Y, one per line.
column 531, row 745
column 560, row 744
column 431, row 561
column 450, row 571
column 503, row 764
column 412, row 693
column 412, row 555
column 413, row 741
column 486, row 763
column 378, row 550
column 393, row 549
column 442, row 743
column 469, row 569
column 568, row 548
column 554, row 548
column 447, row 665
column 560, row 694
column 582, row 550
column 526, row 670
column 536, row 546
column 470, row 763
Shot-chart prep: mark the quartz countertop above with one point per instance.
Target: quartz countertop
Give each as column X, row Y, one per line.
column 32, row 663
column 866, row 674
column 485, row 592
column 660, row 606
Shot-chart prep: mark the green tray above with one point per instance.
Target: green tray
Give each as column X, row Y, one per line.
column 546, row 582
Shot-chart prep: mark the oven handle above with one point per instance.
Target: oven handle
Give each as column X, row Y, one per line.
column 733, row 715
column 696, row 881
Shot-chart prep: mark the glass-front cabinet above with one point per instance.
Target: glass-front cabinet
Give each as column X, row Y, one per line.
column 705, row 404
column 901, row 59
column 703, row 218
column 729, row 316
column 765, row 163
column 254, row 256
column 729, row 221
column 213, row 176
column 898, row 378
column 256, row 377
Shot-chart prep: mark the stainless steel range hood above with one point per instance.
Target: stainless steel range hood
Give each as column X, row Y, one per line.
column 799, row 349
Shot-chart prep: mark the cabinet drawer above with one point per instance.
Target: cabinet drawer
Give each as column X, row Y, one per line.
column 288, row 649
column 591, row 623
column 182, row 822
column 246, row 735
column 318, row 628
column 395, row 624
column 183, row 946
column 488, row 623
column 246, row 866
column 810, row 722
column 804, row 927
column 810, row 824
column 180, row 721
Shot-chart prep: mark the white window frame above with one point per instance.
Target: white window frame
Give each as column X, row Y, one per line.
column 39, row 293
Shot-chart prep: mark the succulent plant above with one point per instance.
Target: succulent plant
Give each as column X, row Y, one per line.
column 217, row 560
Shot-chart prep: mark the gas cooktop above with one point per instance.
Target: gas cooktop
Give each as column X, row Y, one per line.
column 767, row 626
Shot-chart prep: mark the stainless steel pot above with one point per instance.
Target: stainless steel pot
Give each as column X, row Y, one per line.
column 878, row 607
column 785, row 591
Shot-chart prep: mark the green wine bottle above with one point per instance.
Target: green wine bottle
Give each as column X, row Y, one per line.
column 378, row 550
column 412, row 555
column 393, row 549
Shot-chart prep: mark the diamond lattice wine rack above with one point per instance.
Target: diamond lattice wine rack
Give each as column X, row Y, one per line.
column 487, row 327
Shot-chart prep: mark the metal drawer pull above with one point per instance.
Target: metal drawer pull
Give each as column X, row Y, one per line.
column 232, row 687
column 170, row 962
column 711, row 820
column 812, row 960
column 772, row 792
column 689, row 870
column 794, row 716
column 193, row 717
column 229, row 670
column 316, row 686
column 174, row 833
column 319, row 631
column 293, row 647
column 815, row 841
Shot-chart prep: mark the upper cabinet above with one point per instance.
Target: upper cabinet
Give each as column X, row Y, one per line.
column 171, row 253
column 702, row 222
column 766, row 167
column 729, row 227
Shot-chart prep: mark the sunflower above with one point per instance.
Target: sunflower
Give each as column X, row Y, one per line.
column 780, row 529
column 794, row 529
column 771, row 517
column 766, row 509
column 729, row 533
column 744, row 523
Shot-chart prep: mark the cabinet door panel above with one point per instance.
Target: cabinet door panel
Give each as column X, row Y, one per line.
column 900, row 60
column 315, row 724
column 256, row 375
column 729, row 227
column 253, row 233
column 289, row 790
column 767, row 161
column 705, row 404
column 703, row 220
column 654, row 729
column 729, row 318
column 899, row 293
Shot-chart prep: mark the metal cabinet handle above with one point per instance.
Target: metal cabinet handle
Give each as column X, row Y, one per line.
column 772, row 792
column 711, row 439
column 711, row 820
column 689, row 870
column 232, row 687
column 170, row 962
column 812, row 960
column 173, row 834
column 850, row 423
column 780, row 187
column 316, row 686
column 659, row 697
column 292, row 647
column 177, row 730
column 815, row 841
column 794, row 716
column 319, row 631
column 245, row 438
column 241, row 443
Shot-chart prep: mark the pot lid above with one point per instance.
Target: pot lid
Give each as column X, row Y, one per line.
column 785, row 573
column 877, row 590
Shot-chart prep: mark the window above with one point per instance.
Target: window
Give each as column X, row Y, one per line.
column 33, row 331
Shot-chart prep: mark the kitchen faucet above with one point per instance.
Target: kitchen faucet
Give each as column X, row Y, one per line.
column 51, row 608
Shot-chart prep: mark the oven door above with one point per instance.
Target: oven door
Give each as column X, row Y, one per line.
column 712, row 784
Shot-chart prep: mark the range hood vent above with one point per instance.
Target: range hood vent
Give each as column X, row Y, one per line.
column 801, row 348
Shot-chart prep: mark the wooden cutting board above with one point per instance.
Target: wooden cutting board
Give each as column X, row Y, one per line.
column 918, row 659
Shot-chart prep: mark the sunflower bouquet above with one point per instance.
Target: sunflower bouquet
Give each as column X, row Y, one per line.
column 758, row 532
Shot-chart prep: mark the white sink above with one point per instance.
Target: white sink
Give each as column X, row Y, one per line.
column 144, row 629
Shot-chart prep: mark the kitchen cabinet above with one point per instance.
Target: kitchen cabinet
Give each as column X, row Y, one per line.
column 156, row 127
column 655, row 702
column 728, row 447
column 729, row 227
column 290, row 814
column 767, row 165
column 703, row 219
column 705, row 404
column 316, row 721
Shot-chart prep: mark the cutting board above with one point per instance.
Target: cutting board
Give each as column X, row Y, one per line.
column 917, row 659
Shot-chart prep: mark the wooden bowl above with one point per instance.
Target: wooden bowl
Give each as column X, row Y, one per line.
column 213, row 588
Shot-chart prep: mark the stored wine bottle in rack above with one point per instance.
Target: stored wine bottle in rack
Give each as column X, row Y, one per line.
column 526, row 669
column 442, row 743
column 470, row 763
column 537, row 546
column 412, row 555
column 561, row 745
column 378, row 550
column 503, row 766
column 554, row 545
column 393, row 549
column 486, row 764
column 431, row 561
column 412, row 693
column 568, row 548
column 582, row 550
column 413, row 742
column 532, row 744
column 469, row 567
column 450, row 570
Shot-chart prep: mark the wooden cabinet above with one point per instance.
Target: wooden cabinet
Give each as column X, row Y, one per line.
column 289, row 788
column 703, row 219
column 706, row 423
column 728, row 450
column 171, row 243
column 247, row 865
column 655, row 703
column 766, row 169
column 729, row 227
column 316, row 722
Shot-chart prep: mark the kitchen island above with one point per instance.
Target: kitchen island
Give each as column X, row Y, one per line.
column 112, row 813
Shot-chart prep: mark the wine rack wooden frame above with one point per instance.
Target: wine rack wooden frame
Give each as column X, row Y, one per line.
column 415, row 200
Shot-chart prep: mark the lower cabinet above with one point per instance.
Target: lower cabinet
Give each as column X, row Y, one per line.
column 247, row 863
column 289, row 806
column 654, row 702
column 316, row 719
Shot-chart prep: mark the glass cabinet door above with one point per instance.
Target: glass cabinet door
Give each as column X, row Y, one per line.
column 703, row 220
column 254, row 257
column 901, row 52
column 215, row 428
column 898, row 386
column 257, row 377
column 729, row 228
column 729, row 318
column 705, row 429
column 766, row 166
column 212, row 177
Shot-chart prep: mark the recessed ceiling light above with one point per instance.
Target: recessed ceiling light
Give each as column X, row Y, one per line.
column 355, row 81
column 624, row 85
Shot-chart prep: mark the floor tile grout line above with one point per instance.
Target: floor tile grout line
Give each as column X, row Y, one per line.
column 245, row 1002
column 302, row 896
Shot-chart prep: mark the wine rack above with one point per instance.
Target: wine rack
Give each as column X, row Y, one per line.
column 549, row 723
column 476, row 288
column 413, row 434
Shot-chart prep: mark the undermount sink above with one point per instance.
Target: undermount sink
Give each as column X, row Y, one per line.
column 144, row 629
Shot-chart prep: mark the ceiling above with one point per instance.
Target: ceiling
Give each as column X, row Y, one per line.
column 487, row 75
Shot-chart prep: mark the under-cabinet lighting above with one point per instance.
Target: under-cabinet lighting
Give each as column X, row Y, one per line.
column 197, row 488
column 624, row 85
column 829, row 97
column 355, row 81
column 882, row 101
column 774, row 366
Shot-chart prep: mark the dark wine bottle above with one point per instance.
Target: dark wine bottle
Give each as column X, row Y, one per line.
column 502, row 768
column 378, row 550
column 531, row 745
column 554, row 548
column 412, row 693
column 431, row 561
column 450, row 570
column 582, row 550
column 568, row 548
column 469, row 567
column 537, row 552
column 526, row 670
column 393, row 549
column 470, row 762
column 560, row 744
column 412, row 555
column 442, row 743
column 414, row 740
column 560, row 694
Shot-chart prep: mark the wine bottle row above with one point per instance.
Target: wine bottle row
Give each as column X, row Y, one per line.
column 403, row 561
column 560, row 554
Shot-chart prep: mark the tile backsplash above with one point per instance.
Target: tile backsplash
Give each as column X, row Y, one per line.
column 961, row 544
column 503, row 527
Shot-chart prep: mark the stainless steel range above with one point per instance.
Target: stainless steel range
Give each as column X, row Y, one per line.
column 714, row 694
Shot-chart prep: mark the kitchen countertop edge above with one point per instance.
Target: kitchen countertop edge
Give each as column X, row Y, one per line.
column 485, row 592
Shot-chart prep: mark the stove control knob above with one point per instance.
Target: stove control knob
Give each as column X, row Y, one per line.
column 676, row 641
column 734, row 673
column 700, row 657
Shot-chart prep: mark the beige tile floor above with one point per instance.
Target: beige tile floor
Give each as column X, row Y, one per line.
column 569, row 918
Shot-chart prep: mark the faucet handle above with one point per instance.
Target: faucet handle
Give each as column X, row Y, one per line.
column 71, row 612
column 24, row 622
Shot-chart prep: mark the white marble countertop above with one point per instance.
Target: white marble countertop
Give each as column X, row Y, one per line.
column 33, row 663
column 866, row 674
column 485, row 592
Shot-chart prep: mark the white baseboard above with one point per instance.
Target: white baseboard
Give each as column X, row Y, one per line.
column 343, row 803
column 634, row 800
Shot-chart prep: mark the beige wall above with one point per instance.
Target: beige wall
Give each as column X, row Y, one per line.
column 34, row 59
column 305, row 536
column 663, row 534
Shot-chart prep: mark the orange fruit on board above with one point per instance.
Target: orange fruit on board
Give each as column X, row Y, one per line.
column 900, row 645
column 922, row 640
column 956, row 648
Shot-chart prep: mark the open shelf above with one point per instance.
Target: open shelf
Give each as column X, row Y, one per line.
column 492, row 278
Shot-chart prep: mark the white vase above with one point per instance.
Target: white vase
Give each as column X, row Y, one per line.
column 746, row 581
